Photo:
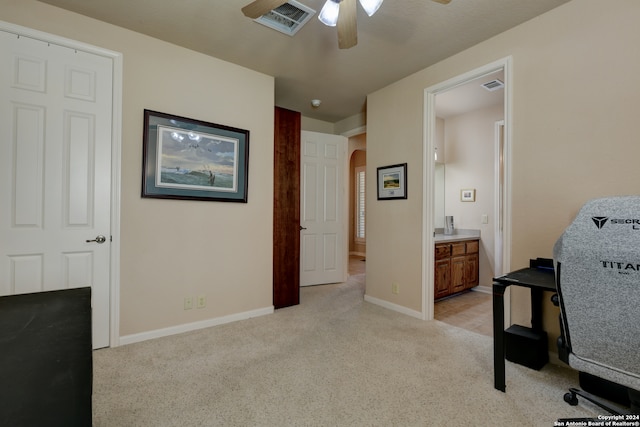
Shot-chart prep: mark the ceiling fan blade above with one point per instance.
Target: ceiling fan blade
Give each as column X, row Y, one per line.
column 443, row 1
column 260, row 7
column 347, row 25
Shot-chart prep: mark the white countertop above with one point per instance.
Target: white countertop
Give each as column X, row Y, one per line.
column 458, row 236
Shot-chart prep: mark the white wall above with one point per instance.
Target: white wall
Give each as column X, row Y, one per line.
column 470, row 154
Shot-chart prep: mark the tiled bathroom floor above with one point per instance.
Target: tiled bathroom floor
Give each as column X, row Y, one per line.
column 470, row 310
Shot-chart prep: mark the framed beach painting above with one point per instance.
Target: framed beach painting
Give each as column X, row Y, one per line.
column 193, row 160
column 392, row 182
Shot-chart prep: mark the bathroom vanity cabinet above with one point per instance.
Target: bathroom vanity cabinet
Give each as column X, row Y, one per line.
column 456, row 267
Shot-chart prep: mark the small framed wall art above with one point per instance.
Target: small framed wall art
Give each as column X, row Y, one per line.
column 392, row 182
column 190, row 159
column 468, row 195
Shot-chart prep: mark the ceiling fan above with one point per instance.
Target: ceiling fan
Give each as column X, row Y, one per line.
column 334, row 12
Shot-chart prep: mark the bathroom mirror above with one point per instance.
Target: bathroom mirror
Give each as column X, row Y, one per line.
column 439, row 196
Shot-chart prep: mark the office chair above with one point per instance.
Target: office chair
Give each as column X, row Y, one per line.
column 597, row 265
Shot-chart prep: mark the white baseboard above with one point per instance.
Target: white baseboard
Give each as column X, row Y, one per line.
column 188, row 327
column 483, row 289
column 394, row 307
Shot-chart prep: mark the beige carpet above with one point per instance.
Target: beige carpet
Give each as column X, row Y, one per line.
column 334, row 360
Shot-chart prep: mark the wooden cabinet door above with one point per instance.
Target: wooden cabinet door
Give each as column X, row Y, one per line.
column 471, row 272
column 458, row 268
column 442, row 278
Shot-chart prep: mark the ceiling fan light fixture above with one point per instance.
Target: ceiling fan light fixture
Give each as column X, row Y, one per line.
column 371, row 6
column 329, row 13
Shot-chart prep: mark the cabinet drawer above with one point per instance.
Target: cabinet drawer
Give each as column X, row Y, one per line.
column 443, row 251
column 457, row 248
column 472, row 247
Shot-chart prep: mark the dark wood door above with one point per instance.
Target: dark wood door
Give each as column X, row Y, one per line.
column 286, row 209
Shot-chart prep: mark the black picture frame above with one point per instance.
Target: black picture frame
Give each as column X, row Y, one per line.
column 392, row 182
column 190, row 159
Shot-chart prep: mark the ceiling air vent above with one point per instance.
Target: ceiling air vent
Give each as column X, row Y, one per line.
column 288, row 18
column 493, row 85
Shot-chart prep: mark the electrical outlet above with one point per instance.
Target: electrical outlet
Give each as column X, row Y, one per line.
column 395, row 288
column 201, row 301
column 188, row 303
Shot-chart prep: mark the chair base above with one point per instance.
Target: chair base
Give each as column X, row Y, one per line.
column 572, row 399
column 605, row 389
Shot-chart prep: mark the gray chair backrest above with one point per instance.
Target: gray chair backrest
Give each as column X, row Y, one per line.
column 598, row 279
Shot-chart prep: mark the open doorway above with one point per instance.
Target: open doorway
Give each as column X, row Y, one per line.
column 357, row 204
column 462, row 152
column 465, row 126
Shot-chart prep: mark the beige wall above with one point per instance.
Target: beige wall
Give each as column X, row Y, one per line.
column 575, row 98
column 357, row 122
column 174, row 249
column 314, row 125
column 350, row 126
column 574, row 138
column 470, row 163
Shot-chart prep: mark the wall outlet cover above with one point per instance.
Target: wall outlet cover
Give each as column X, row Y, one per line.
column 201, row 301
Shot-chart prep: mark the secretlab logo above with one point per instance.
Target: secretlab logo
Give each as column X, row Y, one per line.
column 600, row 221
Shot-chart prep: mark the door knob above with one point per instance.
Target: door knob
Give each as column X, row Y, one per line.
column 302, row 228
column 99, row 239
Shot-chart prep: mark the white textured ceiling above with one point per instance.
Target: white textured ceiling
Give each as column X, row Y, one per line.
column 403, row 37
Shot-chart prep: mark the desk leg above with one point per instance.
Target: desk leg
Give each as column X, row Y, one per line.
column 536, row 309
column 498, row 337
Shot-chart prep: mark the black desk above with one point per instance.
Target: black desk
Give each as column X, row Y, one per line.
column 536, row 278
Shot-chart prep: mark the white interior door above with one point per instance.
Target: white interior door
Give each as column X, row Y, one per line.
column 322, row 240
column 55, row 171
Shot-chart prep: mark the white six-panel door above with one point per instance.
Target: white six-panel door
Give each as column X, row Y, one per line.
column 322, row 243
column 55, row 171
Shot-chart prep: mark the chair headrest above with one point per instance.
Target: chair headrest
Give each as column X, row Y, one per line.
column 606, row 220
